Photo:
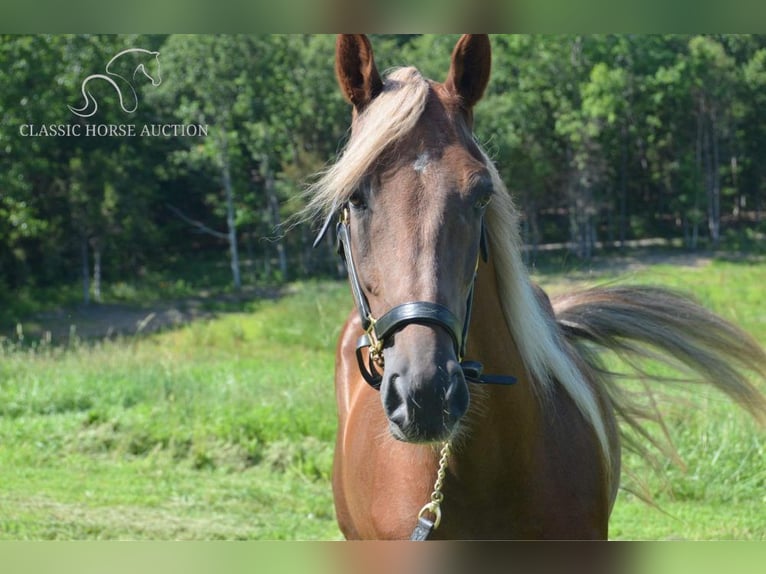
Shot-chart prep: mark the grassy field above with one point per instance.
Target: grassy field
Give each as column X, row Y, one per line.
column 223, row 428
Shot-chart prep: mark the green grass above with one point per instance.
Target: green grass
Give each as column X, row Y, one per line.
column 224, row 428
column 220, row 429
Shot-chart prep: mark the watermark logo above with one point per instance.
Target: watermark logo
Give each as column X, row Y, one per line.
column 124, row 73
column 132, row 62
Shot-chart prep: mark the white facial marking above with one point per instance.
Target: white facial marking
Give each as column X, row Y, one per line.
column 421, row 163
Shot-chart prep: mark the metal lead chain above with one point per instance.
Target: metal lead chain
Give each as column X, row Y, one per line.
column 437, row 496
column 376, row 345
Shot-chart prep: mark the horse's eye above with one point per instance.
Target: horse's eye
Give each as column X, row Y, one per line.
column 357, row 200
column 483, row 201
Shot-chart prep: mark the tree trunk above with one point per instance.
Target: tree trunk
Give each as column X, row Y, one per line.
column 695, row 234
column 273, row 201
column 250, row 254
column 531, row 230
column 303, row 261
column 573, row 208
column 698, row 157
column 85, row 270
column 534, row 226
column 525, row 236
column 231, row 221
column 623, row 199
column 714, row 216
column 266, row 266
column 96, row 245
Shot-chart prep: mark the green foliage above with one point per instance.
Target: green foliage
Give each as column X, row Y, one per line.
column 602, row 138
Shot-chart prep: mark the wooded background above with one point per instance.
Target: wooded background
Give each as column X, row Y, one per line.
column 602, row 139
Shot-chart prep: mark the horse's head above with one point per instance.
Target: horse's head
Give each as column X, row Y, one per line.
column 415, row 221
column 150, row 68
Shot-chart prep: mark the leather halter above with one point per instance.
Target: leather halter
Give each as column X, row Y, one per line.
column 414, row 312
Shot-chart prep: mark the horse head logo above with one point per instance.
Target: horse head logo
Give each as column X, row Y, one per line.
column 128, row 64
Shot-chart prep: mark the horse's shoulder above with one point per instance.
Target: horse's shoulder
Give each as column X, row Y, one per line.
column 350, row 331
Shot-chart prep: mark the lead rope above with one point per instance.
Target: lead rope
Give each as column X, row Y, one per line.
column 425, row 525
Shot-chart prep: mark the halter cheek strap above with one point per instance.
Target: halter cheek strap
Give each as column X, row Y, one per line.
column 377, row 331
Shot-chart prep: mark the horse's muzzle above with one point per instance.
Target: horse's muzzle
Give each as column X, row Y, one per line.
column 424, row 401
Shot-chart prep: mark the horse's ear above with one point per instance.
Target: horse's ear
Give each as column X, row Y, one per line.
column 468, row 74
column 356, row 71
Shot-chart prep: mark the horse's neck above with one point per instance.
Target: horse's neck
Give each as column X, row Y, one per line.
column 489, row 338
column 490, row 341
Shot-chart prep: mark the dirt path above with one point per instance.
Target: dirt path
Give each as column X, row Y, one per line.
column 96, row 321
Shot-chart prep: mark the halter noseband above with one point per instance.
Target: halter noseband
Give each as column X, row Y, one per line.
column 414, row 312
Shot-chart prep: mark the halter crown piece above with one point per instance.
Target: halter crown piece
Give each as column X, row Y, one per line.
column 377, row 330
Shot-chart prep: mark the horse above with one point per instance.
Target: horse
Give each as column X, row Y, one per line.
column 470, row 404
column 133, row 66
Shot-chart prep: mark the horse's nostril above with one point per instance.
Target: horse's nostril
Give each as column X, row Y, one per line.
column 394, row 400
column 457, row 398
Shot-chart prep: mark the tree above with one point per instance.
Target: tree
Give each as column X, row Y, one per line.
column 108, row 181
column 752, row 181
column 213, row 81
column 29, row 66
